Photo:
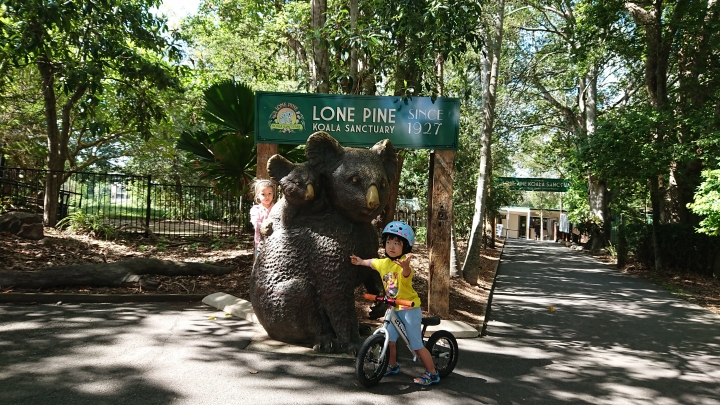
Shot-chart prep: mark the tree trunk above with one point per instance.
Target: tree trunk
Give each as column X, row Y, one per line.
column 388, row 212
column 454, row 267
column 354, row 87
column 656, row 65
column 55, row 159
column 264, row 152
column 471, row 266
column 597, row 188
column 655, row 201
column 321, row 65
column 58, row 137
column 106, row 274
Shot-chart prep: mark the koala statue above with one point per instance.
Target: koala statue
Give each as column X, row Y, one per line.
column 302, row 284
column 301, row 189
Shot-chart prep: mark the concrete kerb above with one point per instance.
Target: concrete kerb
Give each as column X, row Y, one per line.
column 54, row 298
column 487, row 309
column 243, row 310
column 261, row 342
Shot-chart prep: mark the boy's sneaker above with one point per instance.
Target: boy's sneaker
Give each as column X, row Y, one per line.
column 427, row 378
column 392, row 370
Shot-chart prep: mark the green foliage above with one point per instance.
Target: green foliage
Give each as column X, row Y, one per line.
column 263, row 43
column 91, row 224
column 421, row 234
column 414, row 176
column 101, row 65
column 228, row 163
column 707, row 203
column 683, row 248
column 227, row 157
column 230, row 106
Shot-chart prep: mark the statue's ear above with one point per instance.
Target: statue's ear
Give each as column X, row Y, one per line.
column 279, row 167
column 321, row 148
column 386, row 150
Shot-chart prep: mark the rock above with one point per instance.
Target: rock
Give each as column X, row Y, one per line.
column 22, row 224
column 31, row 231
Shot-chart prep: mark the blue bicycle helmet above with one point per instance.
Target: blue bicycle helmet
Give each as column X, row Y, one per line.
column 402, row 230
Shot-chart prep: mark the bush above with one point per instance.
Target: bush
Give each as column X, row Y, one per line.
column 681, row 246
column 90, row 224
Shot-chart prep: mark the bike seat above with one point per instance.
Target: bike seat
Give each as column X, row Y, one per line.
column 431, row 321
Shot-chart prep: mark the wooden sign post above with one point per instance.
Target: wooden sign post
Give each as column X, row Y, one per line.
column 264, row 152
column 438, row 232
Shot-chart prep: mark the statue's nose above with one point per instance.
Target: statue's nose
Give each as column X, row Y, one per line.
column 309, row 192
column 372, row 198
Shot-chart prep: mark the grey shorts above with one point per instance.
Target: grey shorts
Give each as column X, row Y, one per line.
column 412, row 319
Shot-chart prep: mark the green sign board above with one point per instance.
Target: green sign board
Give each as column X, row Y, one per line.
column 535, row 184
column 413, row 122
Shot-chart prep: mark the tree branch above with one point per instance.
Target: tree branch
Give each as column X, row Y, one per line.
column 566, row 111
column 66, row 111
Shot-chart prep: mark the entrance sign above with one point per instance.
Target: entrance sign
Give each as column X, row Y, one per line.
column 535, row 184
column 361, row 121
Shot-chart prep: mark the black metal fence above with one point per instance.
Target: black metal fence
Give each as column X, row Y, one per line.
column 135, row 204
column 410, row 211
column 127, row 202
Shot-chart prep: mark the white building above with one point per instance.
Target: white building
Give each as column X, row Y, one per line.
column 523, row 222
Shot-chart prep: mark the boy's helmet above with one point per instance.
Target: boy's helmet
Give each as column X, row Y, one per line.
column 402, row 230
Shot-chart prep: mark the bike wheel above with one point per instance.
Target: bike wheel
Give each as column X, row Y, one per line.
column 444, row 351
column 369, row 367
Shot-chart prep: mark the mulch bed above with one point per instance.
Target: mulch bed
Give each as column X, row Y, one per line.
column 467, row 302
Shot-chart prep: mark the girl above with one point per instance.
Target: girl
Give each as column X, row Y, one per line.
column 396, row 273
column 264, row 201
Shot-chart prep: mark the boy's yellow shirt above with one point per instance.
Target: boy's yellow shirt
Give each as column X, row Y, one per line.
column 397, row 286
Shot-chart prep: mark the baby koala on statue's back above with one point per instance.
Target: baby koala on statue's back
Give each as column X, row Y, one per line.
column 302, row 191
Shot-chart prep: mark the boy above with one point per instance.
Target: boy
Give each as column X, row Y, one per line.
column 396, row 273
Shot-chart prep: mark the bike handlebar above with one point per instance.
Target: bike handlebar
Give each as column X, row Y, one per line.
column 389, row 300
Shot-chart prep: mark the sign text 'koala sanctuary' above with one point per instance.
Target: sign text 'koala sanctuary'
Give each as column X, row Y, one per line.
column 362, row 121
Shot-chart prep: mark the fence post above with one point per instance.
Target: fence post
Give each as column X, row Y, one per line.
column 147, row 210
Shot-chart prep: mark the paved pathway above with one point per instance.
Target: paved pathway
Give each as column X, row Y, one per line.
column 612, row 338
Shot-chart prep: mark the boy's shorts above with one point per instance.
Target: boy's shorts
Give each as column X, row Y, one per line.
column 412, row 319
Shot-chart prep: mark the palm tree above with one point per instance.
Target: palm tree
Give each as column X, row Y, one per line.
column 227, row 157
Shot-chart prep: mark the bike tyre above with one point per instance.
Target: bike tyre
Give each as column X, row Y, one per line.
column 368, row 356
column 441, row 342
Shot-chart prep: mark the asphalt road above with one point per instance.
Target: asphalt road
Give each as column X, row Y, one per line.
column 612, row 339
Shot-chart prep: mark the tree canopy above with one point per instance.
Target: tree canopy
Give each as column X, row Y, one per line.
column 621, row 98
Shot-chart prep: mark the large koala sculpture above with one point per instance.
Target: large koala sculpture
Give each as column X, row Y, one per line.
column 302, row 284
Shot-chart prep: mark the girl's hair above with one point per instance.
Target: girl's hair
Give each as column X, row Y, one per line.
column 261, row 184
column 406, row 245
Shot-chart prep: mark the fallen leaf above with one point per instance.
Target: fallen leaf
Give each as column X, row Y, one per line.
column 211, row 317
column 228, row 315
column 551, row 308
column 253, row 371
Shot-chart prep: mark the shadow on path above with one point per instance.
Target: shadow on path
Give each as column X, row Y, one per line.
column 609, row 338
